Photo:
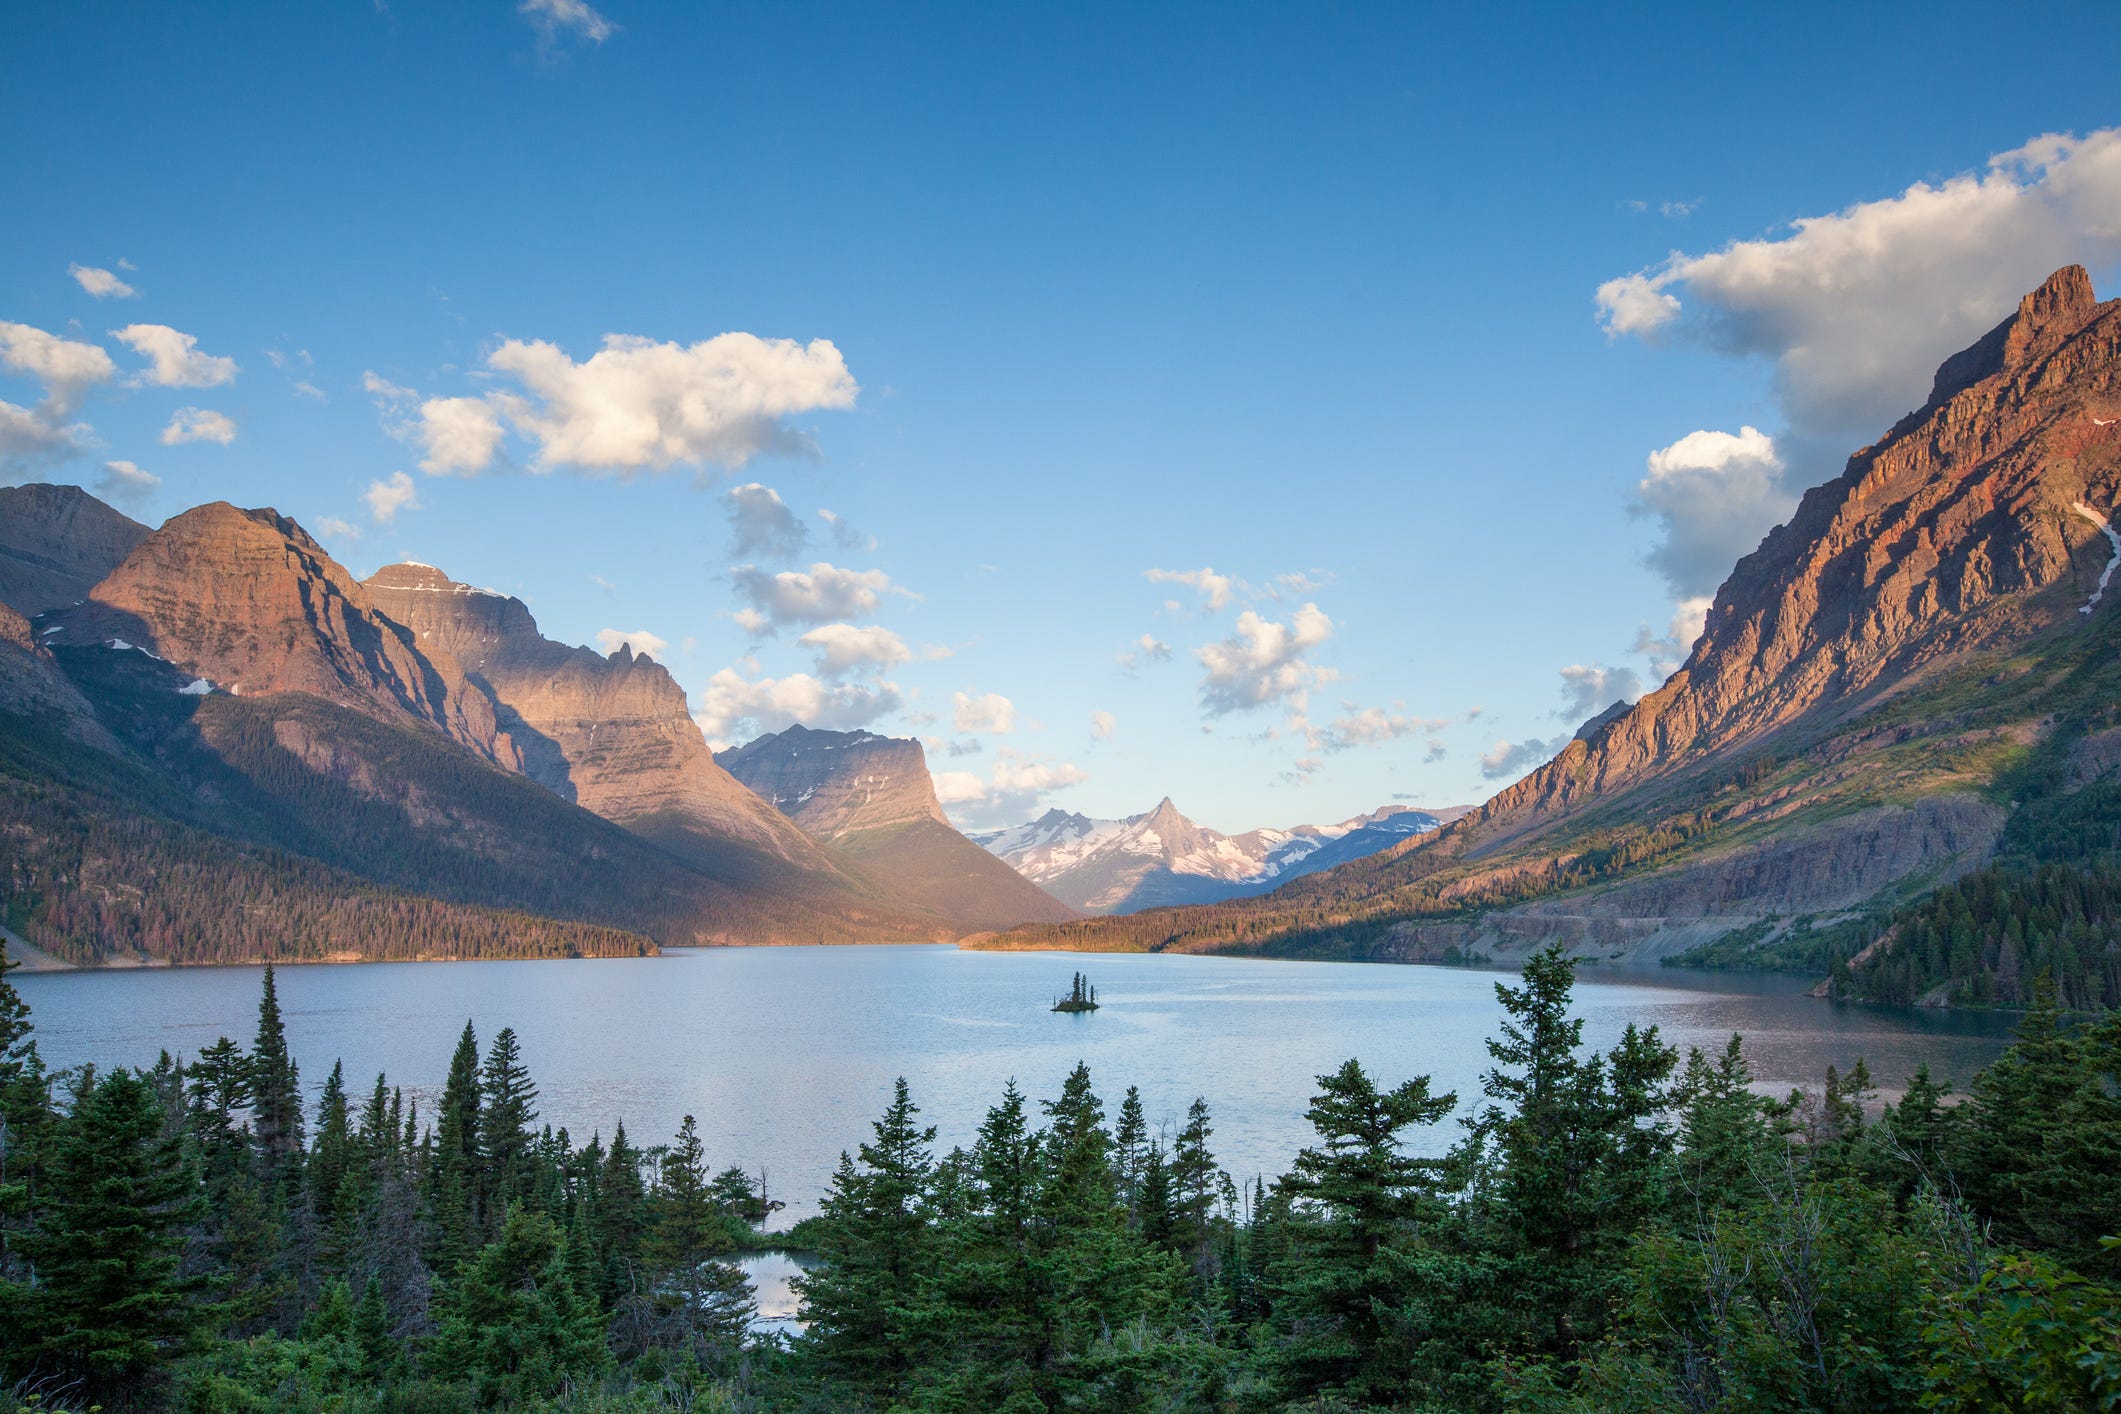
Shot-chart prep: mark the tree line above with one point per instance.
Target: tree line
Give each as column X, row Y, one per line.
column 1616, row 1230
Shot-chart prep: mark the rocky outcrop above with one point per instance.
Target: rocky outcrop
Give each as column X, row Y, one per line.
column 249, row 602
column 613, row 734
column 871, row 798
column 838, row 783
column 56, row 542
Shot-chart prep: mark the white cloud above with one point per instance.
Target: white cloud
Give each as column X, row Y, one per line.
column 100, row 283
column 198, row 425
column 1013, row 791
column 760, row 523
column 386, row 393
column 1512, row 759
column 1588, row 689
column 1215, row 589
column 1146, row 649
column 846, row 648
column 174, row 360
column 1101, row 725
column 124, row 483
column 989, row 712
column 1713, row 496
column 28, row 440
column 845, row 535
column 307, row 389
column 458, row 435
column 642, row 405
column 641, row 641
column 1856, row 309
column 67, row 368
column 817, row 595
column 1374, row 726
column 734, row 708
column 338, row 528
column 1264, row 662
column 557, row 19
column 386, row 498
column 1690, row 617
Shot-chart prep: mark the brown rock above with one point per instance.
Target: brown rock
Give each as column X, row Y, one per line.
column 247, row 600
column 613, row 734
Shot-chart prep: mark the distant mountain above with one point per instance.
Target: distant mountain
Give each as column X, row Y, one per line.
column 1162, row 858
column 1915, row 678
column 56, row 542
column 871, row 798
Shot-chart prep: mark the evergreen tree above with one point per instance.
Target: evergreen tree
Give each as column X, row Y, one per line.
column 705, row 1303
column 1366, row 1204
column 1193, row 1182
column 507, row 1108
column 1564, row 1159
column 455, row 1175
column 1130, row 1151
column 621, row 1218
column 514, row 1326
column 331, row 1162
column 275, row 1099
column 871, row 1322
column 110, row 1299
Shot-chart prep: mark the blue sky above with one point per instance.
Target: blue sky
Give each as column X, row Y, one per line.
column 1306, row 296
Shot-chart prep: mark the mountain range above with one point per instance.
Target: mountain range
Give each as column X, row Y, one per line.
column 1893, row 754
column 1914, row 679
column 1161, row 858
column 215, row 714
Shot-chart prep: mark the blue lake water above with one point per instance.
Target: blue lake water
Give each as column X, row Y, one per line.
column 784, row 1055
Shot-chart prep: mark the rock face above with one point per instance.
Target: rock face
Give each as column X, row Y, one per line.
column 1869, row 681
column 1161, row 858
column 32, row 684
column 838, row 783
column 248, row 601
column 613, row 734
column 1937, row 541
column 56, row 542
column 871, row 798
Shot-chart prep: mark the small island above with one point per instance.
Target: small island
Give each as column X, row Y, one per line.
column 1081, row 997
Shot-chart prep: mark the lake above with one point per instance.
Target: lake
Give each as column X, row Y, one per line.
column 786, row 1054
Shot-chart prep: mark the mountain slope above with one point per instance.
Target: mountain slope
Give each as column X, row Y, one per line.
column 1884, row 686
column 612, row 734
column 248, row 601
column 871, row 798
column 56, row 542
column 1161, row 858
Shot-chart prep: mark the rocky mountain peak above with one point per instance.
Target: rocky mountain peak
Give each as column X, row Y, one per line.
column 1975, row 521
column 56, row 542
column 837, row 783
column 249, row 601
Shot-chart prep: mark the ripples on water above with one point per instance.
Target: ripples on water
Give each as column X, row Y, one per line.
column 786, row 1054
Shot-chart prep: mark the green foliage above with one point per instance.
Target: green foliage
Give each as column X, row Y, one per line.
column 110, row 1299
column 513, row 1326
column 1614, row 1232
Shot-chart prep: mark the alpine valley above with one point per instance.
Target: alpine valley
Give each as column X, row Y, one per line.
column 1893, row 758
